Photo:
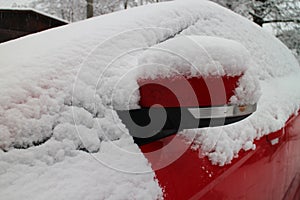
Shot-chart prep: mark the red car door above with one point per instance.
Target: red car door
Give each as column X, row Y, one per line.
column 268, row 172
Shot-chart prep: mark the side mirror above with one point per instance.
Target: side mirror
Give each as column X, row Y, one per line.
column 183, row 100
column 169, row 105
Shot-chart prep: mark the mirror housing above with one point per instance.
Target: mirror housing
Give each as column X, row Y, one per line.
column 169, row 105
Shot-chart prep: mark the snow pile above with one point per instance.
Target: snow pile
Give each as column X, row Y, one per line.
column 196, row 56
column 57, row 170
column 59, row 133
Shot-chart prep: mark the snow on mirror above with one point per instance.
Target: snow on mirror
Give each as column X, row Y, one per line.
column 188, row 82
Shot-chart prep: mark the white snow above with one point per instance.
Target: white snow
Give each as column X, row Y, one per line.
column 58, row 171
column 196, row 56
column 59, row 88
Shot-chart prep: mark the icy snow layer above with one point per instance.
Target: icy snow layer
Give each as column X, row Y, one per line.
column 53, row 80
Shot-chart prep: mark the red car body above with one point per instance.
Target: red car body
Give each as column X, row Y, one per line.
column 268, row 172
column 271, row 171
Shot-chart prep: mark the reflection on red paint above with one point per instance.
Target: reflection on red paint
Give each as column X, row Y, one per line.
column 269, row 172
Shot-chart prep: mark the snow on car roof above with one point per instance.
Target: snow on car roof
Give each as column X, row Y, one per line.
column 59, row 89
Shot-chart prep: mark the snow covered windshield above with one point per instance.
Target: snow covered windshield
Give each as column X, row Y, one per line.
column 60, row 89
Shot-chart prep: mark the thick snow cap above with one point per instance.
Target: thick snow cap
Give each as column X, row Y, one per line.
column 196, row 56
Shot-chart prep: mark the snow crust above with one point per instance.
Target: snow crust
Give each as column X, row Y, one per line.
column 59, row 133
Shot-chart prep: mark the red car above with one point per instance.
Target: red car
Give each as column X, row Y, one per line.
column 175, row 100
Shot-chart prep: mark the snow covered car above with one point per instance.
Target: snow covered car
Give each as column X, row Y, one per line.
column 110, row 108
